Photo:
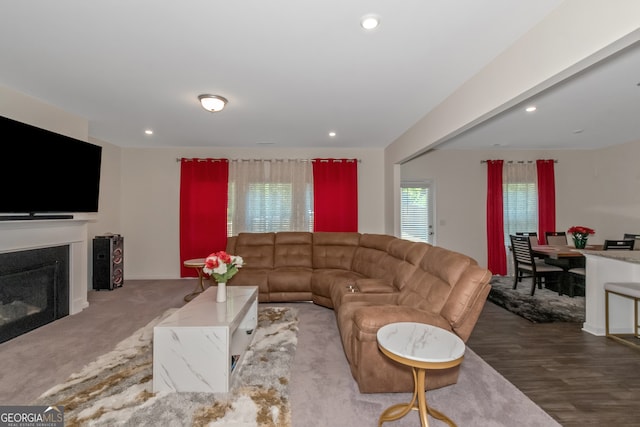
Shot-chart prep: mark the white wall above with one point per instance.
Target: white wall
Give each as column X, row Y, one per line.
column 596, row 188
column 579, row 33
column 150, row 193
column 139, row 188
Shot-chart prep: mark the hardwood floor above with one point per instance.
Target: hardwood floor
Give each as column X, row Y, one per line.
column 577, row 378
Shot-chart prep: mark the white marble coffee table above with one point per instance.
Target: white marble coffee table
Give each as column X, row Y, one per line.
column 421, row 347
column 193, row 348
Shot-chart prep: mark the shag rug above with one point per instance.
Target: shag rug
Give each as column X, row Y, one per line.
column 117, row 388
column 545, row 306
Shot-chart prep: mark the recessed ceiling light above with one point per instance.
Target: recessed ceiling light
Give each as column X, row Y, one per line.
column 148, row 132
column 369, row 22
column 332, row 134
column 531, row 109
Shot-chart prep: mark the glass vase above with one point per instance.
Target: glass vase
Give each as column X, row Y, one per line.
column 580, row 242
column 221, row 296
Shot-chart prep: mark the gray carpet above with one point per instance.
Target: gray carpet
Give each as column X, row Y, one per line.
column 544, row 306
column 323, row 392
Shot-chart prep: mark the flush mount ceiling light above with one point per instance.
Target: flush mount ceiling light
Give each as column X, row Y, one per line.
column 213, row 103
column 369, row 22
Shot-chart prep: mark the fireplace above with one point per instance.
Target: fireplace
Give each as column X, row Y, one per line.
column 34, row 289
column 58, row 277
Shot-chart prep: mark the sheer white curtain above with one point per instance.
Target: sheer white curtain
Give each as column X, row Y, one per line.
column 520, row 200
column 270, row 195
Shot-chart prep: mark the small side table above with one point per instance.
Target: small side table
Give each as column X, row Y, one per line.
column 198, row 264
column 421, row 347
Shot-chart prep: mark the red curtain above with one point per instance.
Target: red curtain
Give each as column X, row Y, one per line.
column 497, row 259
column 546, row 197
column 335, row 194
column 203, row 209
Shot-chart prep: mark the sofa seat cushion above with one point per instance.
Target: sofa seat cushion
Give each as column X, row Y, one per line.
column 253, row 277
column 324, row 278
column 368, row 319
column 290, row 279
column 363, row 289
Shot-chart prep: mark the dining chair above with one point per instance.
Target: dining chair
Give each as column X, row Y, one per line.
column 533, row 236
column 556, row 238
column 636, row 237
column 619, row 245
column 577, row 278
column 526, row 265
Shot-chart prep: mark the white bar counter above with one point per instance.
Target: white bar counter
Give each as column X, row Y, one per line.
column 609, row 266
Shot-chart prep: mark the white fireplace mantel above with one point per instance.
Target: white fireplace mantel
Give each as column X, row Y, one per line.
column 35, row 234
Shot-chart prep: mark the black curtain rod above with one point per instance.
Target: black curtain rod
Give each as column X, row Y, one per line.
column 179, row 159
column 517, row 161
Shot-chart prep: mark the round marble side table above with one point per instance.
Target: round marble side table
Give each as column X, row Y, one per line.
column 421, row 347
column 198, row 264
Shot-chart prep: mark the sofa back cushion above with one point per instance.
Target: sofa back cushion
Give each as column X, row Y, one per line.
column 409, row 254
column 231, row 245
column 471, row 287
column 334, row 250
column 256, row 249
column 436, row 275
column 375, row 258
column 446, row 283
column 293, row 249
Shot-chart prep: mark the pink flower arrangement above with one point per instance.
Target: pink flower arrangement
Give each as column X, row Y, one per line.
column 222, row 266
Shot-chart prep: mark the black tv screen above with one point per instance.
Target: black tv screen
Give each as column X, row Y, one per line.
column 45, row 172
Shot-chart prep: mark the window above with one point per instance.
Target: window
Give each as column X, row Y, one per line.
column 416, row 212
column 520, row 199
column 520, row 209
column 270, row 196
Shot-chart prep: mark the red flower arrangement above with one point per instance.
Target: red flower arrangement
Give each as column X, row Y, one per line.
column 580, row 234
column 222, row 266
column 582, row 230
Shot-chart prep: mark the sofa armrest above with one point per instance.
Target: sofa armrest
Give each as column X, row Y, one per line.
column 377, row 298
column 368, row 285
column 369, row 319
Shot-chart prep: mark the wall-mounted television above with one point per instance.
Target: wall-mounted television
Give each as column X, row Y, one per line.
column 44, row 172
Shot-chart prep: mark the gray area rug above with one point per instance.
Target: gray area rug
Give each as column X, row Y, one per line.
column 324, row 393
column 117, row 388
column 544, row 306
column 320, row 388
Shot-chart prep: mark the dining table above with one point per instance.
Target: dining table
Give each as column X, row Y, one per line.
column 563, row 256
column 559, row 251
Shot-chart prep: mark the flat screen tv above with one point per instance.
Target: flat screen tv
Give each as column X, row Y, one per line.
column 44, row 172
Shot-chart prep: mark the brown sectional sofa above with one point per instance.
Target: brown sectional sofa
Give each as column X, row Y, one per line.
column 369, row 280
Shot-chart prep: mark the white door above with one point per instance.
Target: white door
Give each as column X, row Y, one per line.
column 416, row 211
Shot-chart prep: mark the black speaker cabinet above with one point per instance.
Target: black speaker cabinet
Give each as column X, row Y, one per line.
column 108, row 262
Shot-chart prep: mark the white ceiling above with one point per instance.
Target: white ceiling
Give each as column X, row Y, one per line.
column 596, row 108
column 292, row 70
